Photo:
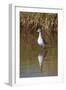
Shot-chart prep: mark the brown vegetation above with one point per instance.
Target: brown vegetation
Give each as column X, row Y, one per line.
column 48, row 22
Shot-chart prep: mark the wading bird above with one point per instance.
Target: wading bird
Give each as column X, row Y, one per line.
column 41, row 42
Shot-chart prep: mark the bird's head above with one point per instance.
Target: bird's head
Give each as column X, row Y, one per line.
column 38, row 30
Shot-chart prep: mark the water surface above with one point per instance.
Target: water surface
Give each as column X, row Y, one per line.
column 38, row 62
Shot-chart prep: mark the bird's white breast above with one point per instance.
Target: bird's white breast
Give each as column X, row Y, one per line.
column 40, row 40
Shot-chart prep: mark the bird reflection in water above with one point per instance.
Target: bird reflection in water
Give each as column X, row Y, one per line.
column 42, row 56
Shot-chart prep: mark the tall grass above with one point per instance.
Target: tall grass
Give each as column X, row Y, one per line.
column 48, row 22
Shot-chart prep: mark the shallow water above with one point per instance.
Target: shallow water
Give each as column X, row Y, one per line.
column 38, row 62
